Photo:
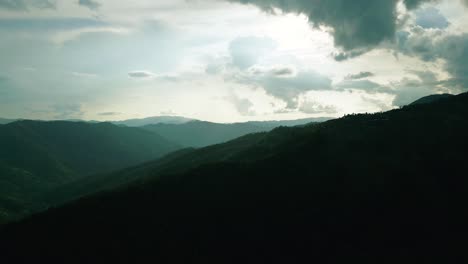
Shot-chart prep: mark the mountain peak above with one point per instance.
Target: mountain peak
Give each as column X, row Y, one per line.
column 431, row 99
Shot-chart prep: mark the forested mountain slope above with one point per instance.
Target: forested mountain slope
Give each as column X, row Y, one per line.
column 384, row 186
column 36, row 156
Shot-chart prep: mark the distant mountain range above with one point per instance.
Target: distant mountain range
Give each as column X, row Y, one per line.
column 4, row 121
column 202, row 134
column 39, row 157
column 389, row 184
column 36, row 156
column 153, row 120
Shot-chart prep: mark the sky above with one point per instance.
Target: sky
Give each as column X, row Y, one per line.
column 227, row 60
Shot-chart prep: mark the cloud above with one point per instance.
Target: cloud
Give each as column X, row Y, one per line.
column 22, row 5
column 360, row 75
column 426, row 77
column 419, row 42
column 283, row 72
column 276, row 70
column 63, row 37
column 432, row 45
column 405, row 91
column 454, row 50
column 409, row 90
column 242, row 105
column 357, row 26
column 312, row 107
column 431, row 18
column 412, row 4
column 67, row 111
column 91, row 4
column 214, row 68
column 285, row 87
column 12, row 4
column 141, row 74
column 50, row 24
column 364, row 85
column 146, row 75
column 109, row 114
column 246, row 51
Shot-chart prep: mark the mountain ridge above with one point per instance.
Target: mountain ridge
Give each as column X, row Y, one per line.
column 203, row 133
column 431, row 98
column 363, row 185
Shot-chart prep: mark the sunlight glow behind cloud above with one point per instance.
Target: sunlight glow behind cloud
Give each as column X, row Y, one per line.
column 224, row 60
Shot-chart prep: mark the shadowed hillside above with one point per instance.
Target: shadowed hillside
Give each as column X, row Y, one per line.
column 38, row 156
column 431, row 98
column 390, row 184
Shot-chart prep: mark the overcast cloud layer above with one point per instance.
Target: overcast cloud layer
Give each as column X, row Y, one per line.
column 227, row 60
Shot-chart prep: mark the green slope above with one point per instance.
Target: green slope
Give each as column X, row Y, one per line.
column 36, row 157
column 248, row 148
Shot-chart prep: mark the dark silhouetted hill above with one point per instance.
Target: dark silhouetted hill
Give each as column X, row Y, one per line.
column 388, row 187
column 431, row 98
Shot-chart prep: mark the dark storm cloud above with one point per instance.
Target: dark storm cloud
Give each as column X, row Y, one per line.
column 454, row 50
column 360, row 75
column 412, row 4
column 91, row 4
column 358, row 25
column 433, row 45
column 19, row 5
